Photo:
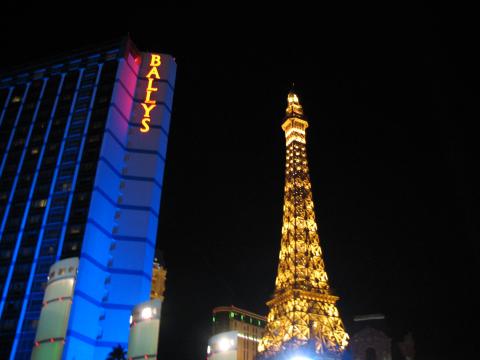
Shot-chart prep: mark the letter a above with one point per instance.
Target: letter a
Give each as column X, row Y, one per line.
column 155, row 60
column 153, row 72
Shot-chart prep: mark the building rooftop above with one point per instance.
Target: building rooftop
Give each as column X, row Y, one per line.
column 232, row 308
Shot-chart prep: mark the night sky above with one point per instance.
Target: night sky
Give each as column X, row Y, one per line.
column 391, row 94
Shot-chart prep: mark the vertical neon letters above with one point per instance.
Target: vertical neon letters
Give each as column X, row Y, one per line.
column 148, row 104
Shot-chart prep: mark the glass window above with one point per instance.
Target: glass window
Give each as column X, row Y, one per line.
column 370, row 354
column 5, row 254
column 40, row 203
column 75, row 229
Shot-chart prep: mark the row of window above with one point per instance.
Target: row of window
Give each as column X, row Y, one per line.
column 64, row 184
column 237, row 316
column 107, row 56
column 61, row 271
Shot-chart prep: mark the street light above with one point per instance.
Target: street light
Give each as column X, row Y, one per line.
column 146, row 313
column 300, row 357
column 225, row 344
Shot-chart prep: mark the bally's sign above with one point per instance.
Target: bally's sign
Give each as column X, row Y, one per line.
column 148, row 103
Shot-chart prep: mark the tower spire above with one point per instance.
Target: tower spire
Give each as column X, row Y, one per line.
column 294, row 108
column 303, row 314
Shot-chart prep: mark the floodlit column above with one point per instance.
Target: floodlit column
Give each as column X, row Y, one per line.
column 52, row 326
column 144, row 330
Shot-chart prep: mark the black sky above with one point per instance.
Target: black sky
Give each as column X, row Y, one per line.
column 391, row 93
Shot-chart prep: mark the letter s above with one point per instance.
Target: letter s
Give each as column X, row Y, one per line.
column 146, row 127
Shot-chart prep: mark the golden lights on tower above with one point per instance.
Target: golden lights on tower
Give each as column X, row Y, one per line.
column 302, row 310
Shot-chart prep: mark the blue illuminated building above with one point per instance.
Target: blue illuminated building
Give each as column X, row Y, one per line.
column 83, row 143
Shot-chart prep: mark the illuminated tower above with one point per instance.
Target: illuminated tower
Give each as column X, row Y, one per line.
column 303, row 319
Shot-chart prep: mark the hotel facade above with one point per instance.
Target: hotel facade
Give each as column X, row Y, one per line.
column 235, row 334
column 83, row 141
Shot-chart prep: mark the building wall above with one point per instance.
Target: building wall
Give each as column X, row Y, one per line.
column 44, row 157
column 370, row 343
column 79, row 178
column 130, row 171
column 57, row 302
column 144, row 330
column 247, row 328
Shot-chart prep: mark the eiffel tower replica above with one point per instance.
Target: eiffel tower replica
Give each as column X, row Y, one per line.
column 303, row 320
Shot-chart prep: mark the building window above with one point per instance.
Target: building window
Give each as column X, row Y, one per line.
column 27, row 251
column 75, row 229
column 370, row 354
column 33, row 324
column 40, row 203
column 34, row 219
column 19, row 142
column 18, row 286
column 5, row 254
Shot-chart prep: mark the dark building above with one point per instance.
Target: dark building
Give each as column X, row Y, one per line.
column 371, row 339
column 82, row 151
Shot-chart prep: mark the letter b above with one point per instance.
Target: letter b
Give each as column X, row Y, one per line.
column 155, row 60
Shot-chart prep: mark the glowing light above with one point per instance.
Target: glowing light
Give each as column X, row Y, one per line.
column 149, row 104
column 146, row 313
column 208, row 349
column 247, row 337
column 131, row 319
column 302, row 296
column 225, row 344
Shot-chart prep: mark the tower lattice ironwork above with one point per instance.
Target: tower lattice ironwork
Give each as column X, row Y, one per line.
column 303, row 314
